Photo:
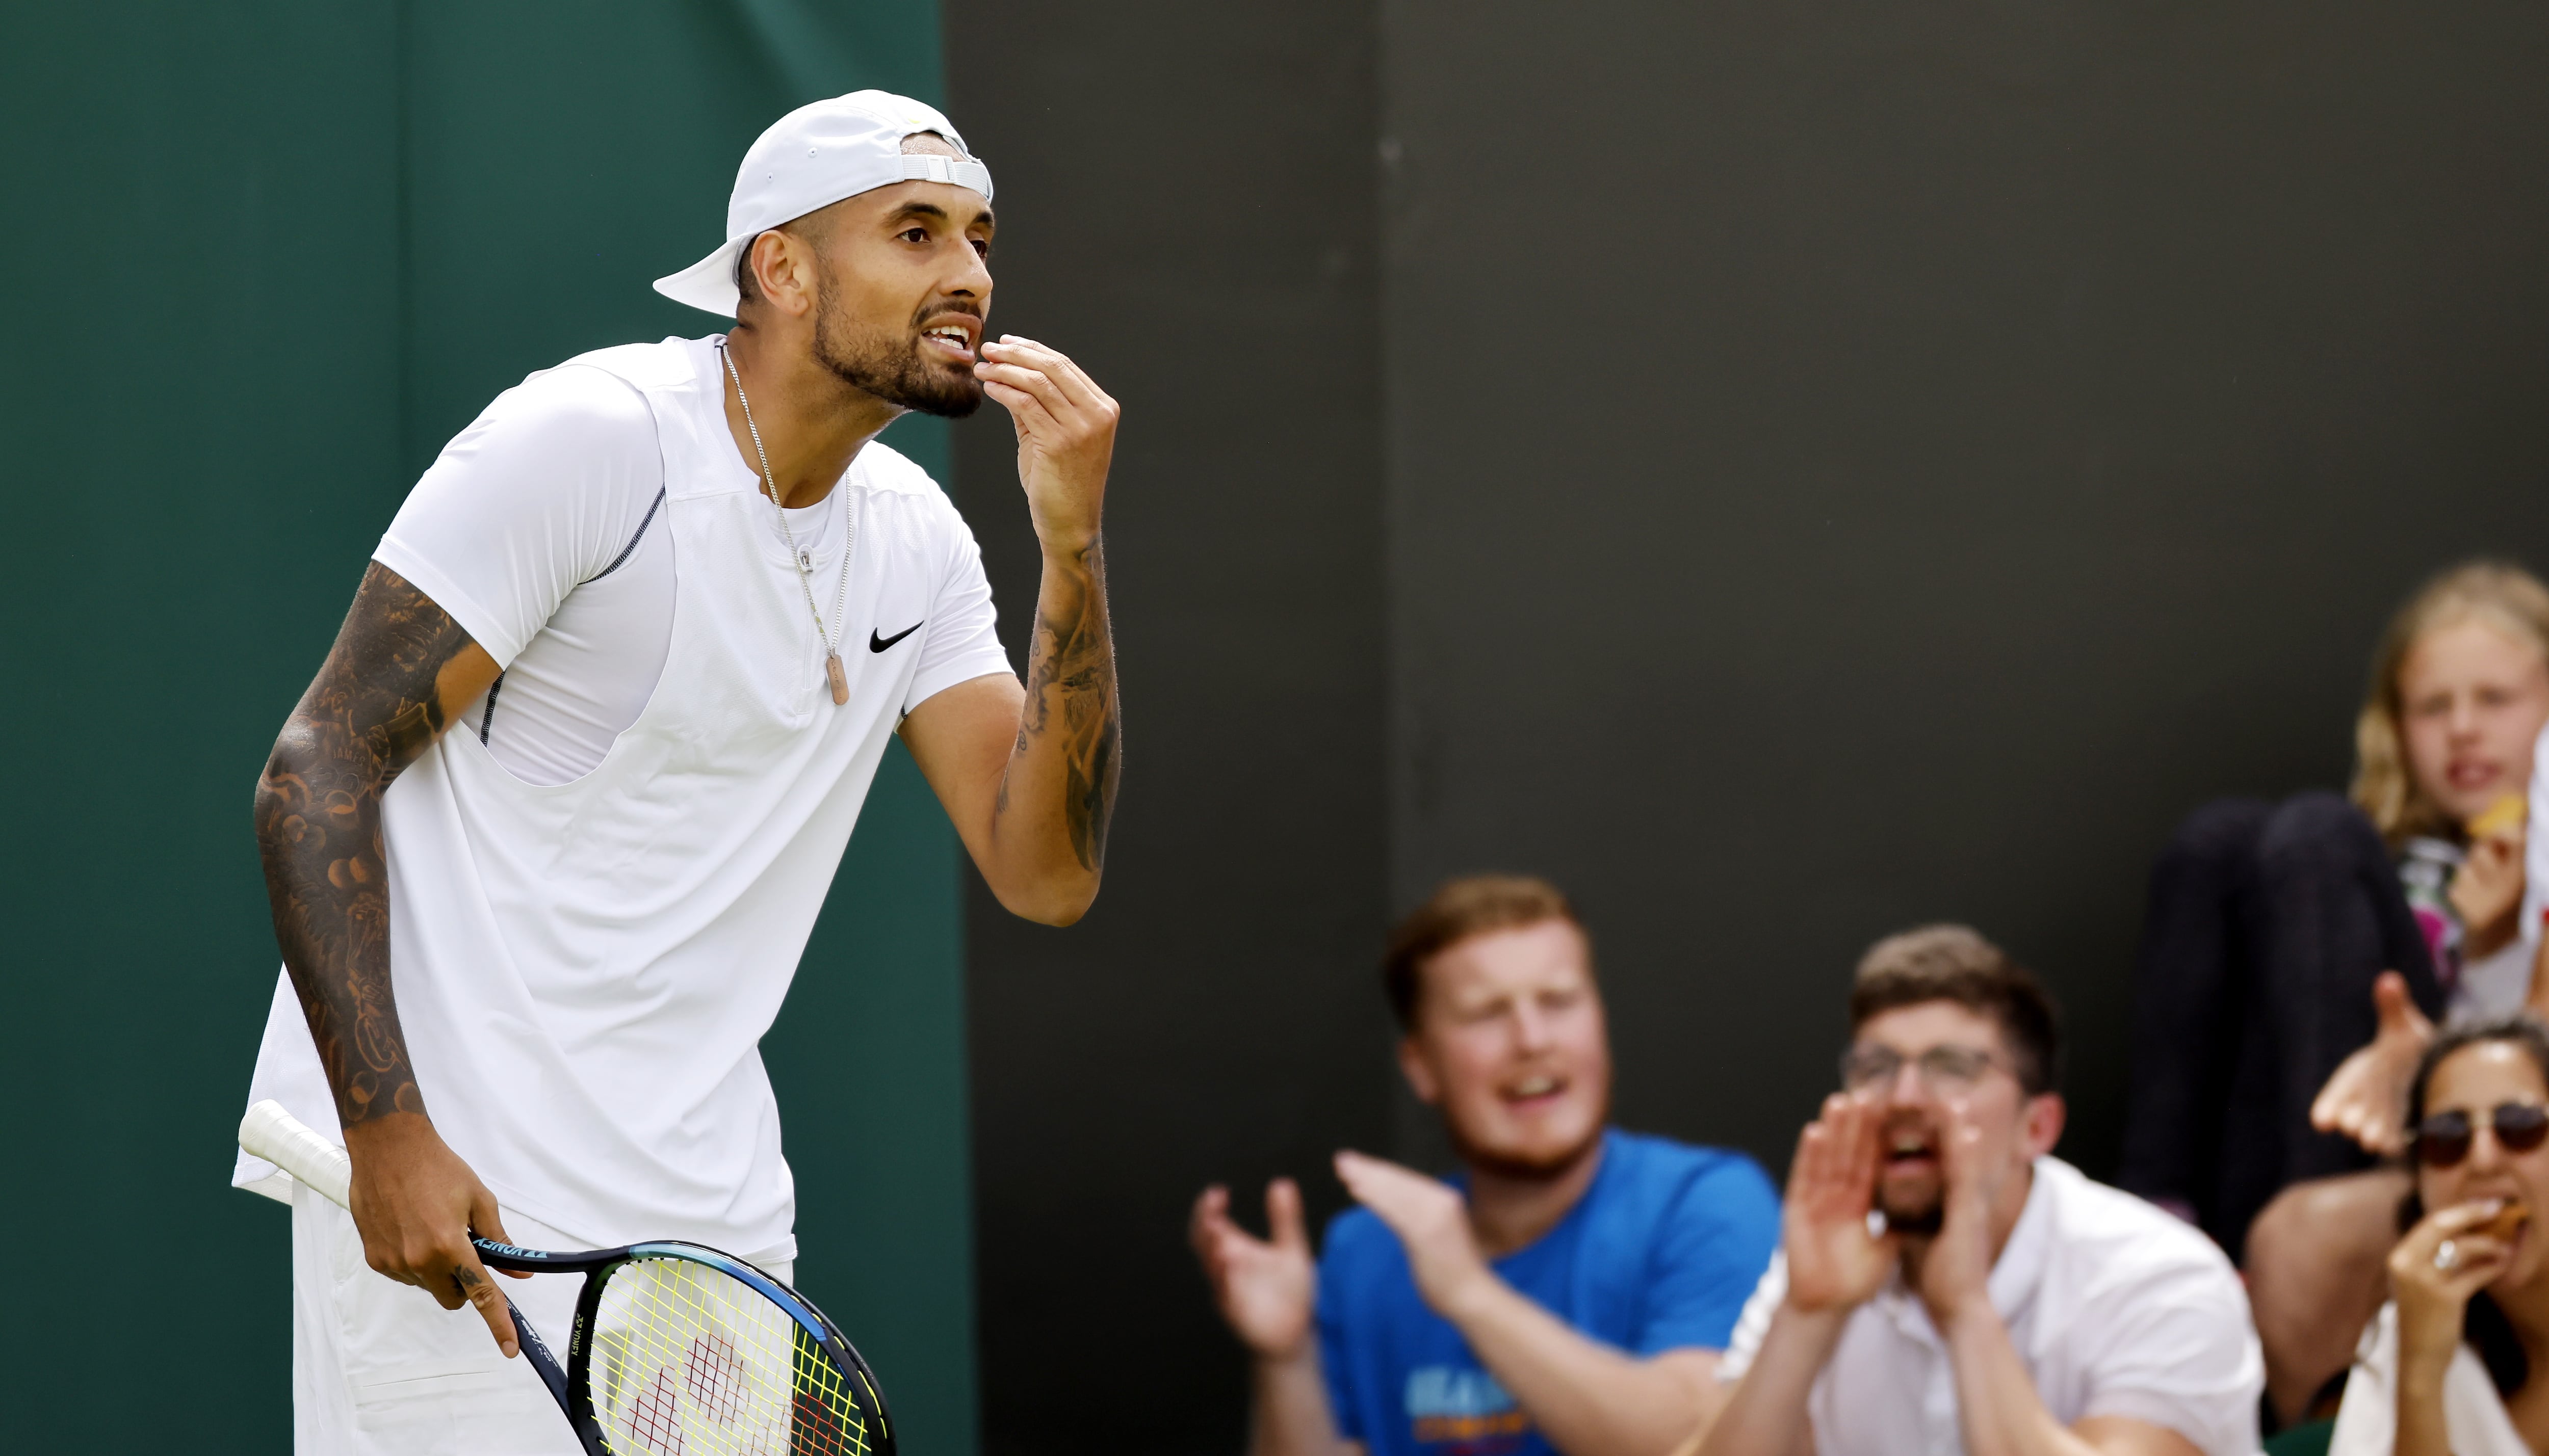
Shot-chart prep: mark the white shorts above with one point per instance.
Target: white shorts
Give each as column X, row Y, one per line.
column 379, row 1369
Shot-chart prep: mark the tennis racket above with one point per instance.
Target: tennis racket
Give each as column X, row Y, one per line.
column 678, row 1349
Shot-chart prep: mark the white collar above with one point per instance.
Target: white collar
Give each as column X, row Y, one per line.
column 2015, row 1275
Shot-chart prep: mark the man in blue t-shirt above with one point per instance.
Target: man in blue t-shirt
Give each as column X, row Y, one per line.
column 1570, row 1292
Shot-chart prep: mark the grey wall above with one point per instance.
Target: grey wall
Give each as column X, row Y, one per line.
column 1821, row 468
column 1869, row 464
column 1186, row 207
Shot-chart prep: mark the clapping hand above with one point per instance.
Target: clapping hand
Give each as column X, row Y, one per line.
column 1265, row 1289
column 1834, row 1263
column 1432, row 1222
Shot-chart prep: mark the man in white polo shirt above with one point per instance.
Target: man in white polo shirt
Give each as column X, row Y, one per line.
column 1944, row 1284
column 674, row 599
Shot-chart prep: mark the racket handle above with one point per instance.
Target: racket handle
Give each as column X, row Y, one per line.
column 291, row 1144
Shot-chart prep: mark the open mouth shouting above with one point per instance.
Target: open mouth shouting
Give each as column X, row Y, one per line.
column 1911, row 1150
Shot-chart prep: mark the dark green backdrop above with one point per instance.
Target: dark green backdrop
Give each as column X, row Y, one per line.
column 267, row 257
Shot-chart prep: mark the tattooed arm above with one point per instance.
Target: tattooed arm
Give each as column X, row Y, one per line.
column 400, row 671
column 1029, row 775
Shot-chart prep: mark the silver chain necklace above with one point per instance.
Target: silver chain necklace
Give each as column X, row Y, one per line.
column 804, row 561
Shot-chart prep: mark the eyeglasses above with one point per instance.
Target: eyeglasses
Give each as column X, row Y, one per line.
column 2444, row 1138
column 1946, row 1070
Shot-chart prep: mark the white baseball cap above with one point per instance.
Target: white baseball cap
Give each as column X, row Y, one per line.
column 812, row 158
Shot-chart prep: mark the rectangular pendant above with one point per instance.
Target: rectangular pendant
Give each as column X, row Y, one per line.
column 840, row 679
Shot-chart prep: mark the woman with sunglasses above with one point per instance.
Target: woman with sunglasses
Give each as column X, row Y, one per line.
column 2444, row 1369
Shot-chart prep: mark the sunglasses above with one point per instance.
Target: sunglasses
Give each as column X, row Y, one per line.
column 2444, row 1138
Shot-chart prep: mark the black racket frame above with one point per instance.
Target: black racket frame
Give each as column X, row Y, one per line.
column 572, row 1385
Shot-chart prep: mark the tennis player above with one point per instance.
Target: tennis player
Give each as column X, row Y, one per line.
column 546, row 836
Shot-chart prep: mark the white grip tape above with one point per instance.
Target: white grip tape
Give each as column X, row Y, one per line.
column 291, row 1144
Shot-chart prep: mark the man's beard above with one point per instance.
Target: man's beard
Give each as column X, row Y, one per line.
column 893, row 369
column 1526, row 1169
column 1917, row 1220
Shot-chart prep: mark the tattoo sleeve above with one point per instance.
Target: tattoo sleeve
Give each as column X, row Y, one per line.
column 372, row 710
column 1071, row 690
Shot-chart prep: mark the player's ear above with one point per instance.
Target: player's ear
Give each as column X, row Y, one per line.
column 783, row 267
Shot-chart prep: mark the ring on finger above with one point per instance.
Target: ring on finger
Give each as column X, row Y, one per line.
column 2447, row 1257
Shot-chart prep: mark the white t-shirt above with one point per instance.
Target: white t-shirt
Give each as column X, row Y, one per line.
column 2115, row 1307
column 2535, row 850
column 2367, row 1420
column 586, row 950
column 541, row 530
column 2493, row 986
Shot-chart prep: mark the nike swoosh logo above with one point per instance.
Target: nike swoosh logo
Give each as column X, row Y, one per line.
column 880, row 644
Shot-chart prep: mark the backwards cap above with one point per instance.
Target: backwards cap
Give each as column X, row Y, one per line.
column 811, row 159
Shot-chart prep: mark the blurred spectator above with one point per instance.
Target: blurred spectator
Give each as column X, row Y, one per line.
column 2294, row 953
column 2269, row 923
column 2449, row 1365
column 1944, row 1284
column 1570, row 1292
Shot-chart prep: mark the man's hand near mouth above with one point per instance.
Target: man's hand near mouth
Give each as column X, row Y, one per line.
column 1954, row 1266
column 1996, row 1396
column 1834, row 1263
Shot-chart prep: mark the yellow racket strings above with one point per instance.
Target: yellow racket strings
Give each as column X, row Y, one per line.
column 690, row 1361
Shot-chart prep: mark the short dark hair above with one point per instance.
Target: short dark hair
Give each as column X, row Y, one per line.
column 1471, row 905
column 1953, row 962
